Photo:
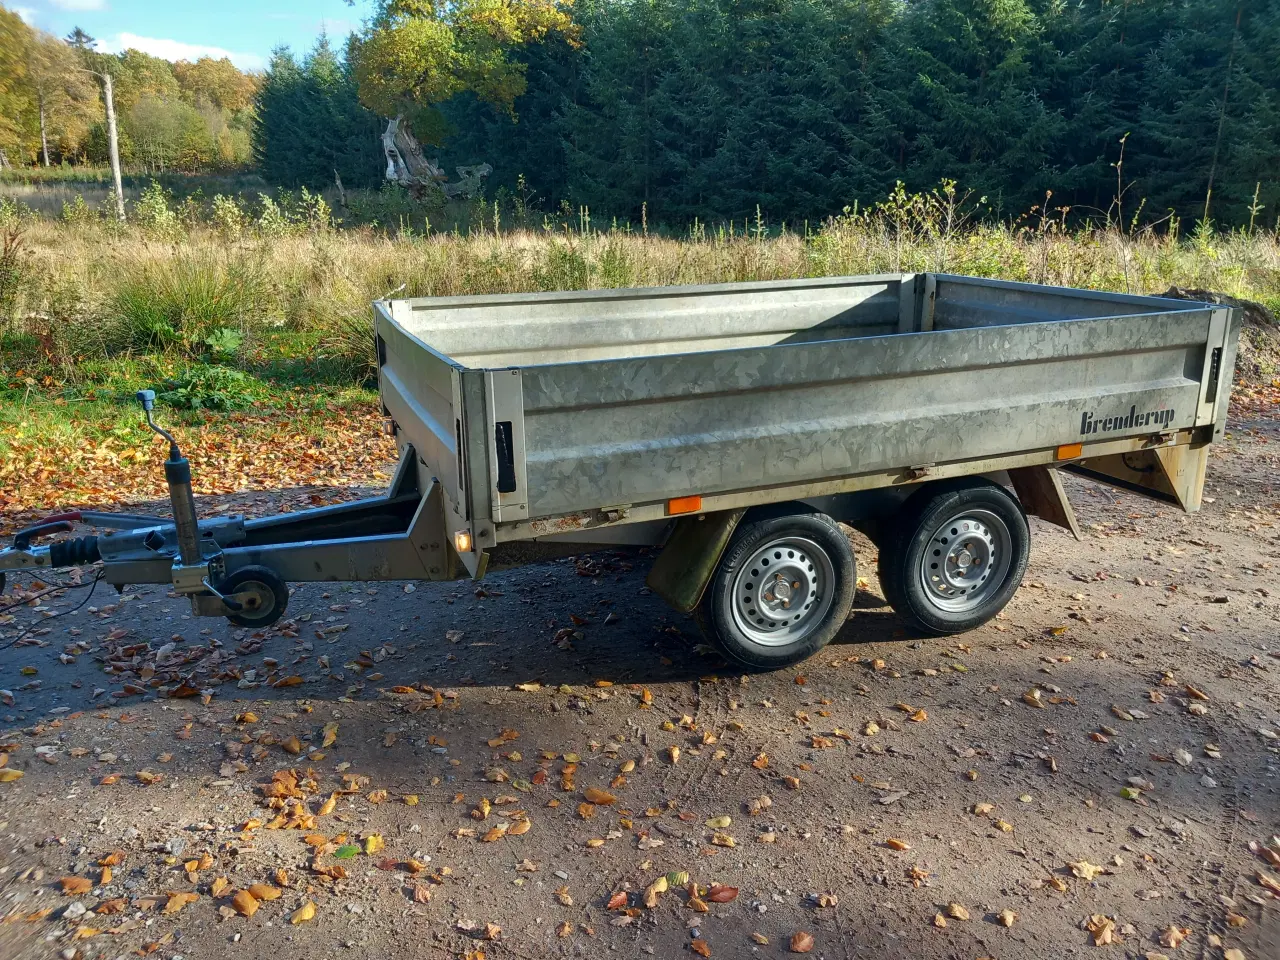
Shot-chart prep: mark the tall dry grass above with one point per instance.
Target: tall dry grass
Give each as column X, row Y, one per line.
column 83, row 287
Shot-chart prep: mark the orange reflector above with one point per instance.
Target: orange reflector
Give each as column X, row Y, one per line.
column 1069, row 451
column 683, row 505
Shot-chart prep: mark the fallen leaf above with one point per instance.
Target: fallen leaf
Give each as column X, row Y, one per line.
column 700, row 948
column 801, row 942
column 957, row 912
column 75, row 886
column 1006, row 917
column 651, row 892
column 617, row 901
column 177, row 901
column 1103, row 929
column 219, row 886
column 304, row 913
column 327, row 740
column 722, row 894
column 264, row 891
column 245, row 903
column 1174, row 935
column 1086, row 870
column 599, row 797
column 893, row 843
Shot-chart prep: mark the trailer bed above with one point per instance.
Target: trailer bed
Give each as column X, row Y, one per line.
column 571, row 407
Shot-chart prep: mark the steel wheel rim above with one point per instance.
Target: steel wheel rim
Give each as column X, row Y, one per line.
column 966, row 560
column 256, row 597
column 783, row 592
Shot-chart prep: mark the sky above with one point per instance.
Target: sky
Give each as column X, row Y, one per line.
column 245, row 31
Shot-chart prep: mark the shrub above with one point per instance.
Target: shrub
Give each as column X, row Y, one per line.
column 229, row 216
column 78, row 213
column 153, row 212
column 273, row 222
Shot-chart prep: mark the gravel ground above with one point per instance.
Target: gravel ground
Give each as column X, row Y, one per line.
column 1096, row 770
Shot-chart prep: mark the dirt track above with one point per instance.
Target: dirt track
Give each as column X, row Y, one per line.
column 881, row 737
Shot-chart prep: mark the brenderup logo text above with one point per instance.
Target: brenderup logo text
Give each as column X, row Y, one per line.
column 1153, row 418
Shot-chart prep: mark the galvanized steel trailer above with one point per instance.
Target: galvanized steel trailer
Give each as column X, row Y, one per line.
column 735, row 423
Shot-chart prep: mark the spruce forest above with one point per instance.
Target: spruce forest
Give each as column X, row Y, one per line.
column 678, row 110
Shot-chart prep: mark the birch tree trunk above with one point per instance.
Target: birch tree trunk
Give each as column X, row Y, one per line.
column 44, row 137
column 113, row 143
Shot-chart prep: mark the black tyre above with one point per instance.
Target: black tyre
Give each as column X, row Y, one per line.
column 260, row 591
column 958, row 556
column 782, row 590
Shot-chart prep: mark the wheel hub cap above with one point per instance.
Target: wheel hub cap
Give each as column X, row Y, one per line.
column 783, row 591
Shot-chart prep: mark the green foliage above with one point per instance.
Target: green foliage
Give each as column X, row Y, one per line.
column 154, row 213
column 415, row 55
column 311, row 126
column 229, row 215
column 205, row 386
column 224, row 342
column 76, row 211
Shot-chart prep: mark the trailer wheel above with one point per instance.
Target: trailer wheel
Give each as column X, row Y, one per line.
column 782, row 590
column 957, row 557
column 262, row 593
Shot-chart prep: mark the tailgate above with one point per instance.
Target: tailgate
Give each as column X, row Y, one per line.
column 422, row 393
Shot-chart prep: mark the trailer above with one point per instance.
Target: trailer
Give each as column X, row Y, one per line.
column 735, row 427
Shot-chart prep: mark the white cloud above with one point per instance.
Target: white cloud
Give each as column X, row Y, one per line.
column 177, row 50
column 27, row 14
column 79, row 5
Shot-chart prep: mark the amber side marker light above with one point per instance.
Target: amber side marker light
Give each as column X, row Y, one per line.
column 462, row 541
column 1069, row 451
column 683, row 505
